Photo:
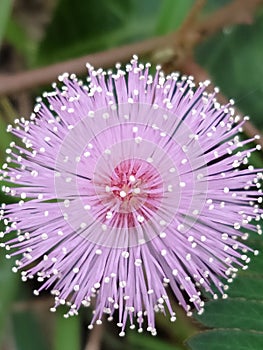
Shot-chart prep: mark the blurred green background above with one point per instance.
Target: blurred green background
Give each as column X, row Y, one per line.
column 36, row 33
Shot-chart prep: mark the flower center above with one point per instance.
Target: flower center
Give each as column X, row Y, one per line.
column 133, row 194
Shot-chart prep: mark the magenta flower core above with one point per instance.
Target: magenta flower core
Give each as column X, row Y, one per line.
column 130, row 186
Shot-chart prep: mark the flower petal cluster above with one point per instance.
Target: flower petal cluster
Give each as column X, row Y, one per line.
column 131, row 187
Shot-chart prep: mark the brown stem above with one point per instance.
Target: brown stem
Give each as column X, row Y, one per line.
column 39, row 304
column 183, row 41
column 45, row 75
column 192, row 17
column 94, row 340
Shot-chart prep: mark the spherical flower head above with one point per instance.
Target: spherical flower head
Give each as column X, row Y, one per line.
column 130, row 185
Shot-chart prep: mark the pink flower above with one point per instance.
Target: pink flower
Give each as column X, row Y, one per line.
column 129, row 184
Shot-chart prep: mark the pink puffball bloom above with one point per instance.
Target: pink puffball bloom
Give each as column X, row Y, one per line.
column 130, row 186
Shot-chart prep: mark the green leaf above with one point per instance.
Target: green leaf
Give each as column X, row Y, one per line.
column 233, row 313
column 249, row 287
column 6, row 115
column 226, row 340
column 67, row 332
column 29, row 334
column 172, row 14
column 234, row 59
column 8, row 283
column 5, row 10
column 96, row 25
column 16, row 35
column 255, row 267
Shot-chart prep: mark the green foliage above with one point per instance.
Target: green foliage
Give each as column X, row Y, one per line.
column 171, row 15
column 98, row 25
column 63, row 327
column 4, row 140
column 76, row 30
column 234, row 313
column 8, row 283
column 234, row 58
column 227, row 340
column 6, row 115
column 5, row 9
column 17, row 36
column 29, row 334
